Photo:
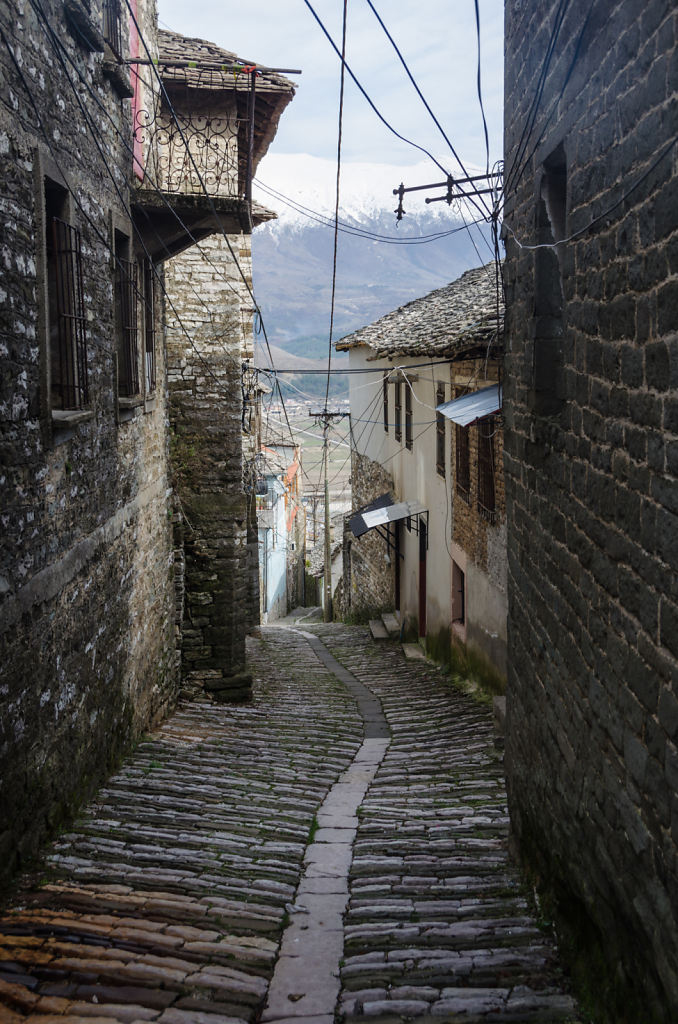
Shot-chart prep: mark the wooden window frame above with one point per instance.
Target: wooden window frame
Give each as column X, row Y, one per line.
column 112, row 25
column 126, row 316
column 398, row 411
column 150, row 357
column 61, row 314
column 462, row 457
column 487, row 504
column 409, row 442
column 440, row 431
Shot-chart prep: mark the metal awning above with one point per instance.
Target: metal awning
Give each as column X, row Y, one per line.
column 471, row 408
column 357, row 523
column 379, row 515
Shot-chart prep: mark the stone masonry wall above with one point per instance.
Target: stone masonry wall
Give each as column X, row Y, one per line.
column 368, row 579
column 86, row 579
column 206, row 411
column 469, row 529
column 483, row 542
column 591, row 414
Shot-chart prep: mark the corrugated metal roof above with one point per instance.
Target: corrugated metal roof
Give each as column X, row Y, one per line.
column 470, row 408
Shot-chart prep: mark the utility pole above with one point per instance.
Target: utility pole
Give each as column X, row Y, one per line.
column 326, row 417
column 327, row 603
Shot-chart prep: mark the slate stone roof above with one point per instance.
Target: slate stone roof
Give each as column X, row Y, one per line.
column 455, row 319
column 210, row 61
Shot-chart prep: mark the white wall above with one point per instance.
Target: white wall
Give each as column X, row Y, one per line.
column 414, row 472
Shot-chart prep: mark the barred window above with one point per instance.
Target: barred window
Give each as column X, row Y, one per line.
column 486, row 494
column 112, row 26
column 398, row 411
column 440, row 431
column 66, row 304
column 149, row 324
column 384, row 386
column 408, row 417
column 126, row 319
column 462, row 457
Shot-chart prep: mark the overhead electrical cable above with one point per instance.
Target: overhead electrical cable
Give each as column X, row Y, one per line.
column 342, row 79
column 424, row 101
column 352, row 229
column 480, row 92
column 381, row 117
column 205, row 192
column 75, row 194
column 519, row 168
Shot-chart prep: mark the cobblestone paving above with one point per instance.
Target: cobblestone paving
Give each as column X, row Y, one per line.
column 437, row 924
column 168, row 899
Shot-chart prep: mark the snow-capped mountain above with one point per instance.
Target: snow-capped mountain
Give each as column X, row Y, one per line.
column 380, row 264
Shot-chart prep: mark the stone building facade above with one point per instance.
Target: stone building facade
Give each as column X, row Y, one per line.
column 368, row 574
column 210, row 346
column 591, row 412
column 442, row 568
column 86, row 581
column 478, row 512
column 92, row 210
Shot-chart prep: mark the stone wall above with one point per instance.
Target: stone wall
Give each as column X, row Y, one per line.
column 591, row 475
column 86, row 567
column 478, row 541
column 206, row 328
column 368, row 577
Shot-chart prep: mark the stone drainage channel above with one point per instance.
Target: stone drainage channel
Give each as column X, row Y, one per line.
column 305, row 982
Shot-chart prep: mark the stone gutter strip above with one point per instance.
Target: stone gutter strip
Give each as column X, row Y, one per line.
column 306, row 983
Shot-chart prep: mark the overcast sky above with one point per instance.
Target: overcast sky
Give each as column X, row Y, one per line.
column 437, row 38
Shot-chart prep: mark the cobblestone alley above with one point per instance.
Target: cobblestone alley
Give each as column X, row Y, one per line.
column 335, row 847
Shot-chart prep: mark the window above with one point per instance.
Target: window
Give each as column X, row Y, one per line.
column 66, row 323
column 486, row 495
column 384, row 390
column 149, row 324
column 398, row 411
column 112, row 26
column 126, row 317
column 440, row 431
column 458, row 595
column 551, row 222
column 462, row 457
column 408, row 417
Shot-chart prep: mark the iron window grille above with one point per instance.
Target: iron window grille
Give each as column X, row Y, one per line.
column 408, row 417
column 462, row 448
column 128, row 365
column 440, row 431
column 398, row 428
column 112, row 26
column 384, row 386
column 149, row 325
column 486, row 490
column 68, row 338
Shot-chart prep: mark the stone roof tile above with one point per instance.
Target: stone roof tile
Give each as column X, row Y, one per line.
column 457, row 318
column 210, row 60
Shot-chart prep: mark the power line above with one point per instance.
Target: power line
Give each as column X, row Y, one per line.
column 367, row 97
column 205, row 192
column 359, row 232
column 102, row 238
column 421, row 96
column 480, row 92
column 336, row 205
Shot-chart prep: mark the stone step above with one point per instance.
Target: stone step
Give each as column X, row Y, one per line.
column 391, row 622
column 413, row 652
column 378, row 629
